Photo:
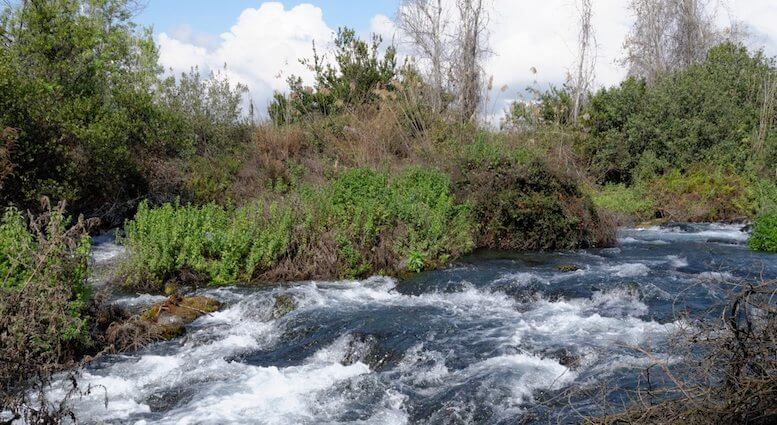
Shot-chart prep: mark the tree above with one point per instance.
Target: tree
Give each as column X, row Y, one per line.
column 84, row 114
column 426, row 23
column 586, row 60
column 76, row 82
column 710, row 113
column 694, row 33
column 451, row 37
column 471, row 48
column 670, row 35
column 357, row 72
column 647, row 45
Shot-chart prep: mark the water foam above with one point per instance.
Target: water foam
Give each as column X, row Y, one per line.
column 629, row 270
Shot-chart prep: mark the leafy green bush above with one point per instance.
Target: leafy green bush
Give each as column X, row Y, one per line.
column 707, row 194
column 75, row 81
column 44, row 250
column 766, row 195
column 550, row 107
column 764, row 237
column 86, row 117
column 632, row 201
column 225, row 244
column 706, row 113
column 521, row 203
column 354, row 78
column 413, row 218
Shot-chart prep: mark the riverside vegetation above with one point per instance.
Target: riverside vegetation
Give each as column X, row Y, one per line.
column 352, row 176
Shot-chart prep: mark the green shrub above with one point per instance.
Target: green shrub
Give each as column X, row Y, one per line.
column 224, row 244
column 766, row 195
column 764, row 237
column 413, row 219
column 703, row 194
column 437, row 227
column 520, row 203
column 706, row 113
column 353, row 80
column 86, row 117
column 415, row 213
column 75, row 81
column 44, row 250
column 632, row 201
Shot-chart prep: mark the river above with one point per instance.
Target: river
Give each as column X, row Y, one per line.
column 495, row 338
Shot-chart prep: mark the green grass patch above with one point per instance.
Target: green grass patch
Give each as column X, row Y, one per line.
column 632, row 201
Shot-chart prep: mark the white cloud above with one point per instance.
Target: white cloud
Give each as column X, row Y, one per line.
column 383, row 26
column 760, row 16
column 261, row 50
column 527, row 35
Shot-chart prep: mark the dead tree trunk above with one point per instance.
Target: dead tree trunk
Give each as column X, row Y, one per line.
column 586, row 58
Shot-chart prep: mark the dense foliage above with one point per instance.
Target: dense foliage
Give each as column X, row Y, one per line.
column 522, row 204
column 707, row 113
column 84, row 114
column 412, row 218
column 353, row 79
column 44, row 298
column 75, row 85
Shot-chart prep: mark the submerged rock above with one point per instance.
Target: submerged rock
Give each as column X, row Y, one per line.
column 365, row 348
column 177, row 309
column 682, row 227
column 565, row 357
column 725, row 241
column 632, row 288
column 568, row 268
column 360, row 347
column 284, row 304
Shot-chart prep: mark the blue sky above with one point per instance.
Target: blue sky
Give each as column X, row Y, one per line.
column 217, row 16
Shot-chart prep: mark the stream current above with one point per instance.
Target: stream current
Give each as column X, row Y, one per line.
column 496, row 338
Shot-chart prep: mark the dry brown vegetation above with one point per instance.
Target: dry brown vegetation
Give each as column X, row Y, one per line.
column 724, row 369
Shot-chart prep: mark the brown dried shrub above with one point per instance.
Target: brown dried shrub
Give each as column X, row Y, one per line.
column 43, row 309
column 726, row 373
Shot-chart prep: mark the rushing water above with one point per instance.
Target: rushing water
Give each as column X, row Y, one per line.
column 490, row 340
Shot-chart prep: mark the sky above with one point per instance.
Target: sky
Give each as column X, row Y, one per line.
column 258, row 43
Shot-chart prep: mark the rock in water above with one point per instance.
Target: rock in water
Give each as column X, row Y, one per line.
column 160, row 322
column 284, row 304
column 568, row 268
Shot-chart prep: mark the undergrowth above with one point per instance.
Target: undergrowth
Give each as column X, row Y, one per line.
column 44, row 302
column 764, row 237
column 632, row 202
column 697, row 195
column 369, row 222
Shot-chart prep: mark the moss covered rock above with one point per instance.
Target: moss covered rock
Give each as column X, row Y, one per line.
column 567, row 268
column 167, row 319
